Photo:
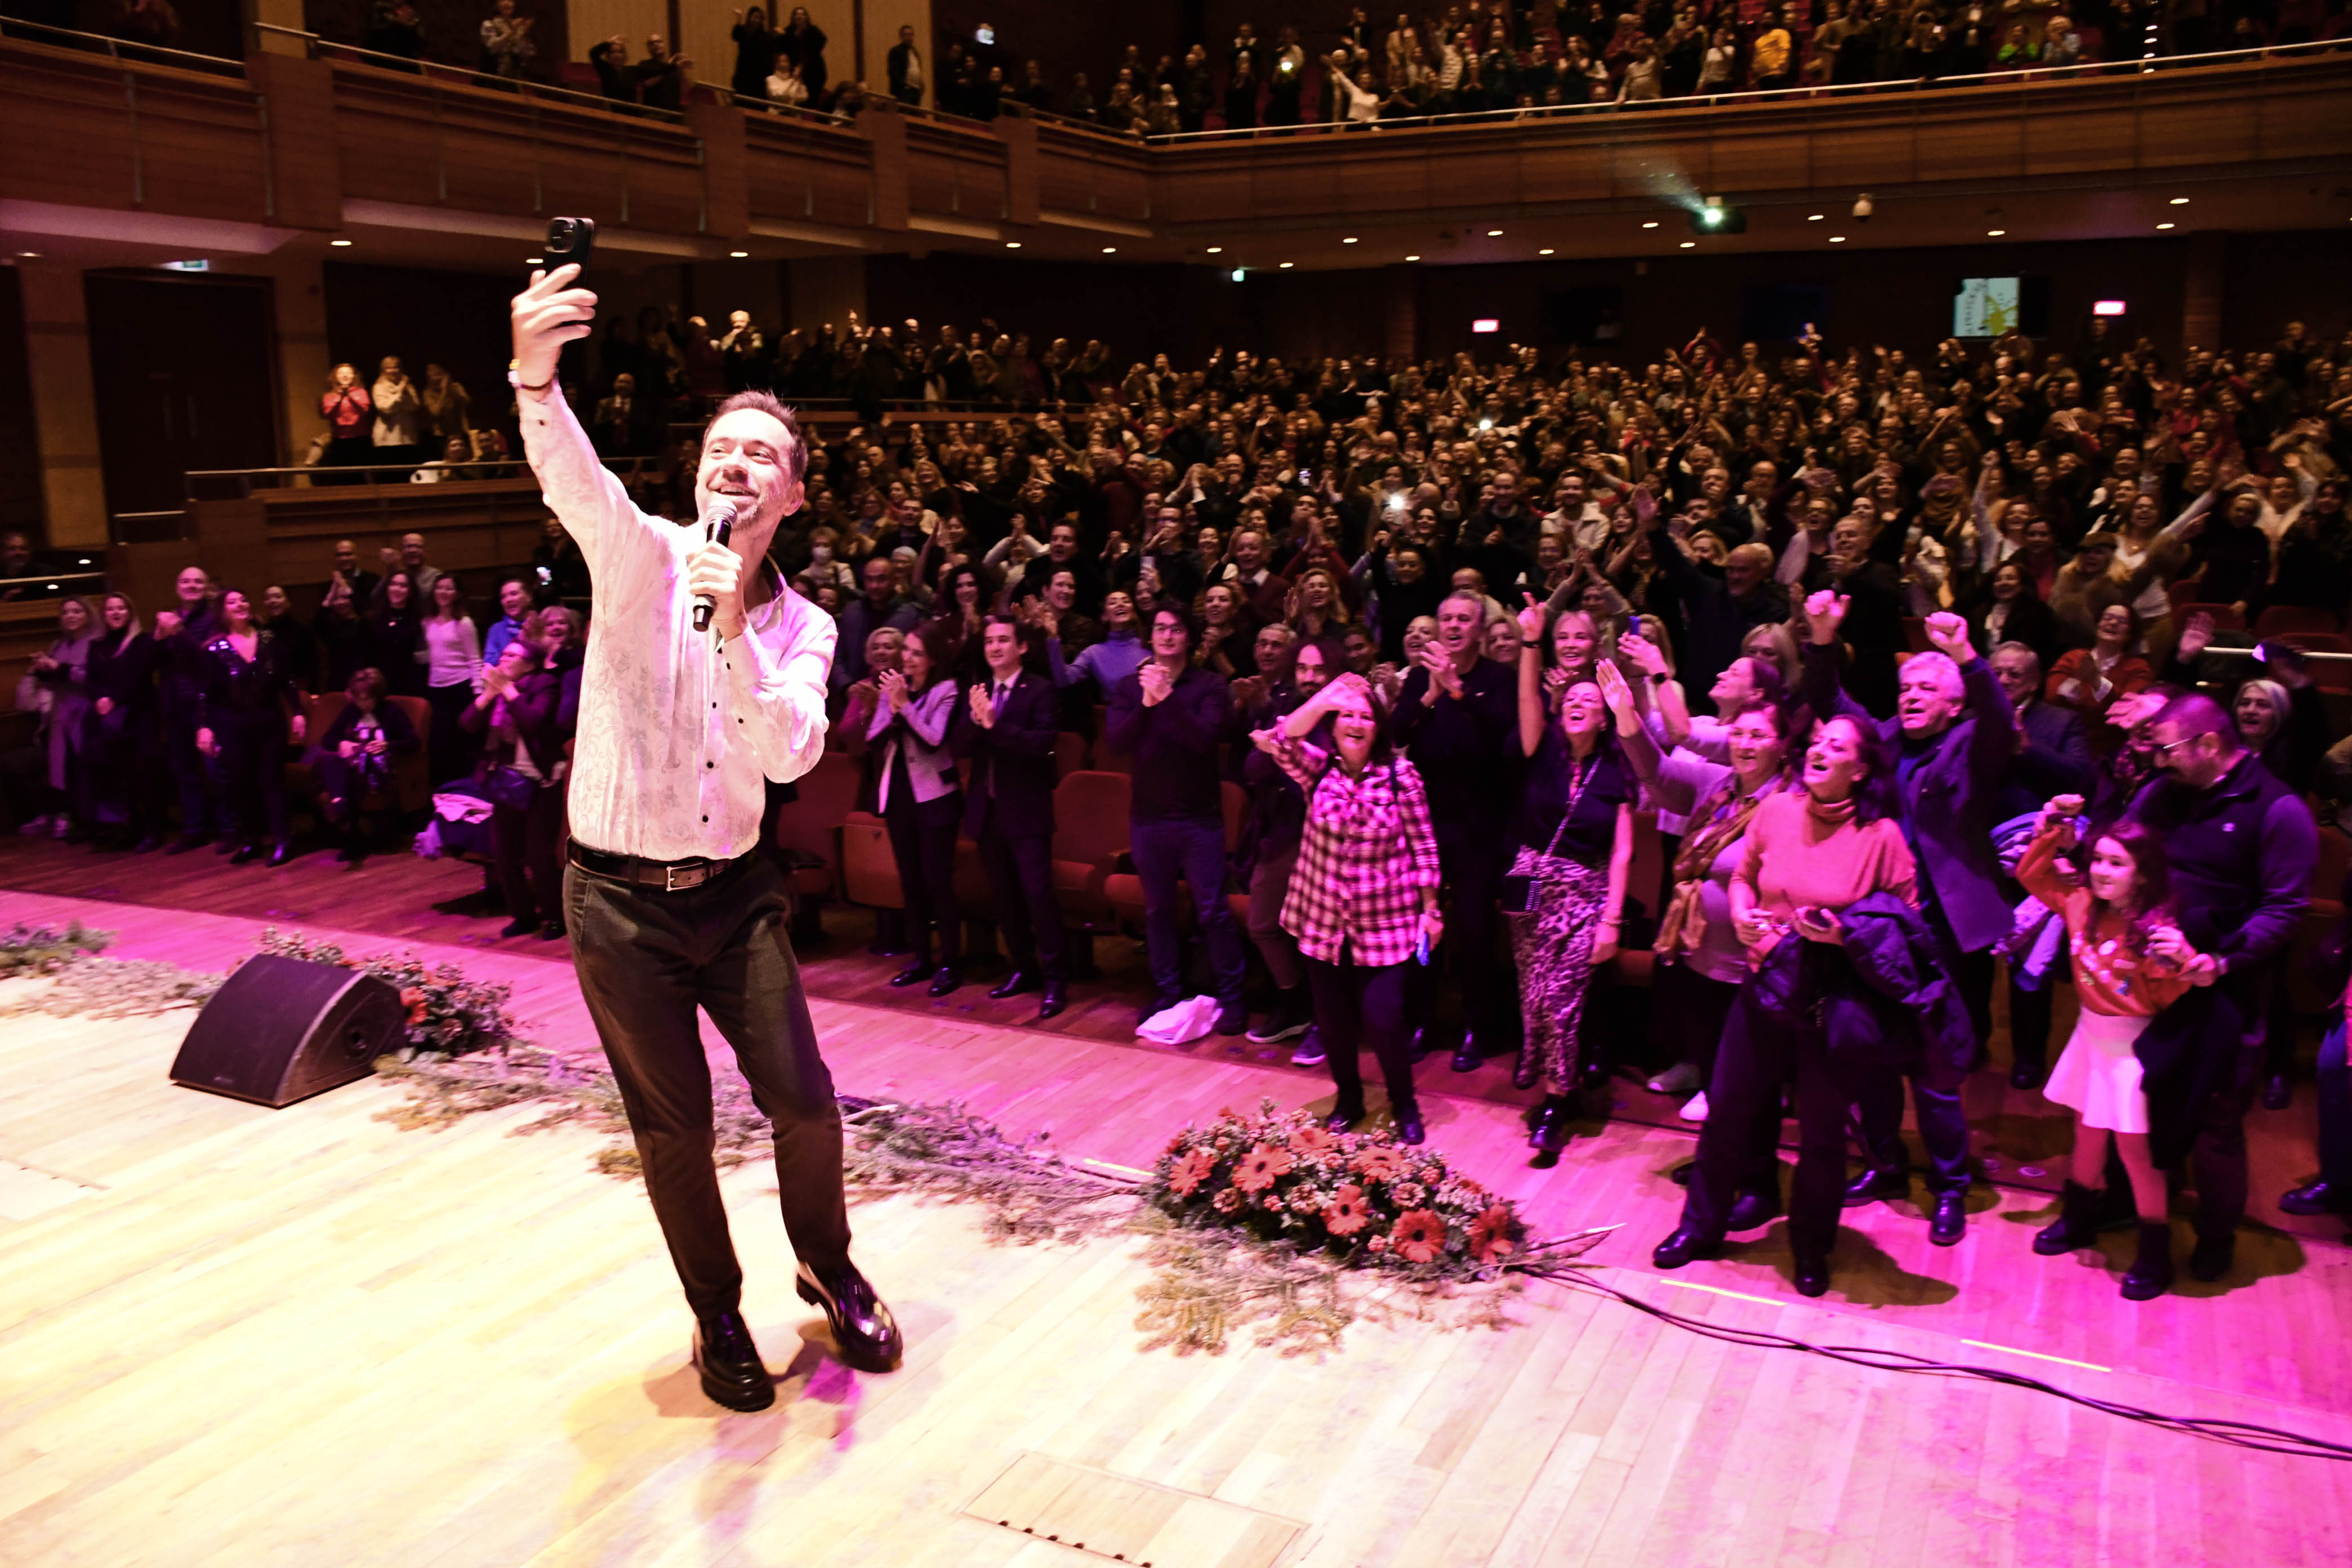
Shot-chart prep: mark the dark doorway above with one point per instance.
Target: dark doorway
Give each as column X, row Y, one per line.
column 185, row 371
column 22, row 500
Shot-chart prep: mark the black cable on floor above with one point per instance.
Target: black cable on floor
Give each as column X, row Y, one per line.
column 2238, row 1434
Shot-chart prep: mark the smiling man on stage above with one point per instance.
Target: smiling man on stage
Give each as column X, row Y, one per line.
column 670, row 907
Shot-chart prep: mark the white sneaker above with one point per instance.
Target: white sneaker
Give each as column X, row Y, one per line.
column 1695, row 1108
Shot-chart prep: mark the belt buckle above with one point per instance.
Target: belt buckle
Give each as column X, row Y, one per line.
column 670, row 875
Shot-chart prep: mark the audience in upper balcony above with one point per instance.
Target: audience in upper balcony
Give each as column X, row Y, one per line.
column 507, row 45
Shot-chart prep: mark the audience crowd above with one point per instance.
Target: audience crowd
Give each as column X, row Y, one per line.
column 1925, row 673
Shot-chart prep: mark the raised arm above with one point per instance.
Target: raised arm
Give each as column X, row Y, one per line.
column 594, row 508
column 1533, row 619
column 1823, row 683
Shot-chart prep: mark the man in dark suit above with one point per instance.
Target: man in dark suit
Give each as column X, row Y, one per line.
column 1953, row 734
column 1007, row 727
column 905, row 64
column 2053, row 758
column 621, row 426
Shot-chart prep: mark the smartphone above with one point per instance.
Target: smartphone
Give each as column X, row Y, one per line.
column 1306, row 476
column 1634, row 625
column 570, row 240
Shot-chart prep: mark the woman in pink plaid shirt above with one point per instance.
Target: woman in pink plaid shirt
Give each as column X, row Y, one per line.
column 1363, row 899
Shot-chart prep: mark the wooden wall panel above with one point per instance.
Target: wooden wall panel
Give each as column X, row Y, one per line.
column 82, row 131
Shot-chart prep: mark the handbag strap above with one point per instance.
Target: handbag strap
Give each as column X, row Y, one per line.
column 1577, row 778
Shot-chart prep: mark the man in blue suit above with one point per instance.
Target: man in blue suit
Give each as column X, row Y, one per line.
column 1954, row 734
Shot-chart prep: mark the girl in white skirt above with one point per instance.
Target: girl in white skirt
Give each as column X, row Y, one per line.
column 2131, row 964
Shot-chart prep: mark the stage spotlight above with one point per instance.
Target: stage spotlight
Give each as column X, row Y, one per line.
column 1712, row 216
column 1238, row 274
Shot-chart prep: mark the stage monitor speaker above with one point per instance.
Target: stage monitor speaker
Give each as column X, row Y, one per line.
column 280, row 1029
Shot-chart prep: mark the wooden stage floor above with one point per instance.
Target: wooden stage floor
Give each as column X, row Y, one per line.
column 303, row 1337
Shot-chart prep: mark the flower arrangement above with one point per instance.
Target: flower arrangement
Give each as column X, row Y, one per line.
column 45, row 949
column 1360, row 1197
column 448, row 1014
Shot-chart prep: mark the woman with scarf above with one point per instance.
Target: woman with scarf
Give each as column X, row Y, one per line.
column 1565, row 892
column 528, row 708
column 121, row 740
column 56, row 685
column 1809, row 854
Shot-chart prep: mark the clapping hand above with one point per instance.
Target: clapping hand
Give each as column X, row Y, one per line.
column 1443, row 678
column 1645, row 655
column 894, row 689
column 1156, row 681
column 982, row 706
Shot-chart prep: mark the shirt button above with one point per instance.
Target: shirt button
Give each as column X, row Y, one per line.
column 706, row 819
column 711, row 764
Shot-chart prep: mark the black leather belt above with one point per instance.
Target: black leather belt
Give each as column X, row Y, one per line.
column 667, row 876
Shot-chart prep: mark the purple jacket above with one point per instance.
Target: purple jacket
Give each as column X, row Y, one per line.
column 1950, row 796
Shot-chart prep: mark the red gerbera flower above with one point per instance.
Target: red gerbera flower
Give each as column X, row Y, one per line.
column 1310, row 1140
column 1490, row 1234
column 1380, row 1163
column 1418, row 1237
column 1190, row 1172
column 1346, row 1213
column 414, row 1000
column 1260, row 1167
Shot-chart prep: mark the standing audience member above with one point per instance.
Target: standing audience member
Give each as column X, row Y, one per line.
column 452, row 650
column 1007, row 728
column 1168, row 716
column 399, row 418
column 349, row 415
column 1271, row 838
column 56, row 685
column 1362, row 902
column 528, row 710
column 1565, row 893
column 917, row 795
column 248, row 710
column 121, row 740
column 180, row 638
column 507, row 45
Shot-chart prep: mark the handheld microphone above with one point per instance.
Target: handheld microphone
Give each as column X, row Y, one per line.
column 721, row 522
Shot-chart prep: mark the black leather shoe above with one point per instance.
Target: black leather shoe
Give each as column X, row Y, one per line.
column 1812, row 1274
column 2320, row 1197
column 244, row 855
column 1410, row 1129
column 1150, row 1010
column 732, row 1372
column 1527, row 1072
column 2077, row 1225
column 913, row 974
column 2027, row 1075
column 280, row 852
column 1342, row 1119
column 1548, row 1133
column 1233, row 1020
column 2211, row 1257
column 1685, row 1246
column 1594, row 1074
column 945, row 980
column 1754, row 1210
column 2151, row 1271
column 1468, row 1057
column 1419, row 1048
column 1873, row 1185
column 2278, row 1091
column 552, row 931
column 1949, row 1221
column 1012, row 984
column 864, row 1333
column 1056, row 999
column 518, row 927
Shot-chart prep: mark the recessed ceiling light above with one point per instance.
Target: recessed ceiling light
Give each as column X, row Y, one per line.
column 1110, row 250
column 29, row 255
column 1349, row 240
column 1837, row 240
column 1995, row 233
column 2180, row 201
column 1690, row 244
column 533, row 261
column 1216, row 250
column 1815, row 218
column 1545, row 251
column 1287, row 266
column 1412, row 259
column 339, row 244
column 2163, row 226
column 739, row 255
column 1494, row 234
column 1012, row 245
column 1652, row 224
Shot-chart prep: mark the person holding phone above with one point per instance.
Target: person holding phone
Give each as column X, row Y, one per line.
column 671, row 906
column 1362, row 901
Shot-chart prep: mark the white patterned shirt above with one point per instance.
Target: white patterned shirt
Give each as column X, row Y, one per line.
column 678, row 731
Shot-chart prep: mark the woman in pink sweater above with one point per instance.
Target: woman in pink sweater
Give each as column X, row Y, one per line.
column 1809, row 852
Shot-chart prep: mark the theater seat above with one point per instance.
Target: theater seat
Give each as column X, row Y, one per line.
column 1090, row 831
column 2226, row 617
column 1070, row 753
column 2285, row 620
column 812, row 824
column 869, row 866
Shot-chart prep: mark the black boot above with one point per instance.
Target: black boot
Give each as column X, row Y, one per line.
column 2151, row 1271
column 733, row 1374
column 2075, row 1227
column 1549, row 1134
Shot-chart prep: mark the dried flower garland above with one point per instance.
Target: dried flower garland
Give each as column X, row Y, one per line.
column 448, row 1014
column 45, row 949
